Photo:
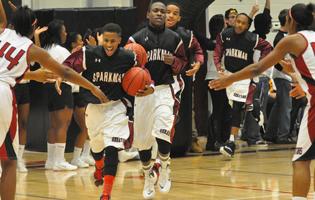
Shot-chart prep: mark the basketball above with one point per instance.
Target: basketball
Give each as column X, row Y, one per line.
column 141, row 54
column 135, row 79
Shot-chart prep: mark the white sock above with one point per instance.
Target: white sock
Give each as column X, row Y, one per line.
column 314, row 195
column 86, row 148
column 232, row 138
column 76, row 153
column 299, row 198
column 21, row 152
column 60, row 152
column 164, row 160
column 51, row 152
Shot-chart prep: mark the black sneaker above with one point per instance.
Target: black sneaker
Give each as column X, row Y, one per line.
column 228, row 149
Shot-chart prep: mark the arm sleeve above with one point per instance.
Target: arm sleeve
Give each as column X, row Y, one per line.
column 197, row 51
column 218, row 52
column 264, row 47
column 180, row 60
column 75, row 61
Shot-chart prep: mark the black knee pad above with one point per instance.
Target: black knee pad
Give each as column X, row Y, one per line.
column 97, row 156
column 111, row 161
column 145, row 155
column 163, row 146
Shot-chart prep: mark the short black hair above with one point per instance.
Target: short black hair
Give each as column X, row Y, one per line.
column 229, row 11
column 153, row 2
column 71, row 37
column 248, row 18
column 112, row 28
column 303, row 15
column 23, row 20
column 262, row 24
column 283, row 16
column 175, row 4
column 52, row 35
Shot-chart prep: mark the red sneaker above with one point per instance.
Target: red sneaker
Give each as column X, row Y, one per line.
column 103, row 197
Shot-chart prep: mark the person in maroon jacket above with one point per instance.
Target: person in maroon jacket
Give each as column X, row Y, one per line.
column 237, row 45
column 195, row 56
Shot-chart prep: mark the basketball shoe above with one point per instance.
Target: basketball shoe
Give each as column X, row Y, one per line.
column 164, row 182
column 150, row 179
column 228, row 149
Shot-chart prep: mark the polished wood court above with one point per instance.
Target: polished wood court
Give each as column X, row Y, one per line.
column 263, row 173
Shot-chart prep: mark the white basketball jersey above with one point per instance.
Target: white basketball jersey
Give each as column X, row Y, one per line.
column 305, row 63
column 13, row 56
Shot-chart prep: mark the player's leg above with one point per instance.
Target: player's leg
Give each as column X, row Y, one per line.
column 8, row 142
column 78, row 114
column 304, row 153
column 301, row 178
column 110, row 170
column 23, row 101
column 228, row 148
column 23, row 113
column 8, row 179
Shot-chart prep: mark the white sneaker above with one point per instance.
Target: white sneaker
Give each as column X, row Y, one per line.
column 49, row 165
column 79, row 163
column 164, row 180
column 124, row 156
column 21, row 166
column 150, row 180
column 64, row 166
column 88, row 159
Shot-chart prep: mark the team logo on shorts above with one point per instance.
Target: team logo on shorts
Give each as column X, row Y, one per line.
column 299, row 150
column 164, row 131
column 117, row 139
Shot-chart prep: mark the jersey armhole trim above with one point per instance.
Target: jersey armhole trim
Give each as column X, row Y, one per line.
column 305, row 46
column 27, row 55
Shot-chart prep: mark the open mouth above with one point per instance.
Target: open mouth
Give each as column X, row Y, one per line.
column 109, row 50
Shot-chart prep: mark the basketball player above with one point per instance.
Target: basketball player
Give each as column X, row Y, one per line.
column 300, row 45
column 237, row 45
column 195, row 56
column 16, row 42
column 107, row 124
column 154, row 114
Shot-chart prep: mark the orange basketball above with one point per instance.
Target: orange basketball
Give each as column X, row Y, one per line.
column 141, row 54
column 135, row 79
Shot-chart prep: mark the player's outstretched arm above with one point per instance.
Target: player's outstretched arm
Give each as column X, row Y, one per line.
column 39, row 55
column 3, row 17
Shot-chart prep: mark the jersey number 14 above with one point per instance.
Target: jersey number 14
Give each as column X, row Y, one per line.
column 8, row 55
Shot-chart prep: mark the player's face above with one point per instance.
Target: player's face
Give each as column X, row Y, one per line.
column 231, row 20
column 157, row 15
column 63, row 34
column 78, row 41
column 241, row 24
column 111, row 42
column 172, row 16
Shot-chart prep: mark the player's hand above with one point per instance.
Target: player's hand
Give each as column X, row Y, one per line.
column 297, row 91
column 168, row 59
column 147, row 91
column 12, row 6
column 40, row 30
column 91, row 41
column 57, row 85
column 194, row 70
column 100, row 39
column 286, row 66
column 43, row 76
column 99, row 94
column 220, row 83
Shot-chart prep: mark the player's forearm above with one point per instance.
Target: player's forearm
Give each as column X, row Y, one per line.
column 72, row 76
column 3, row 18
